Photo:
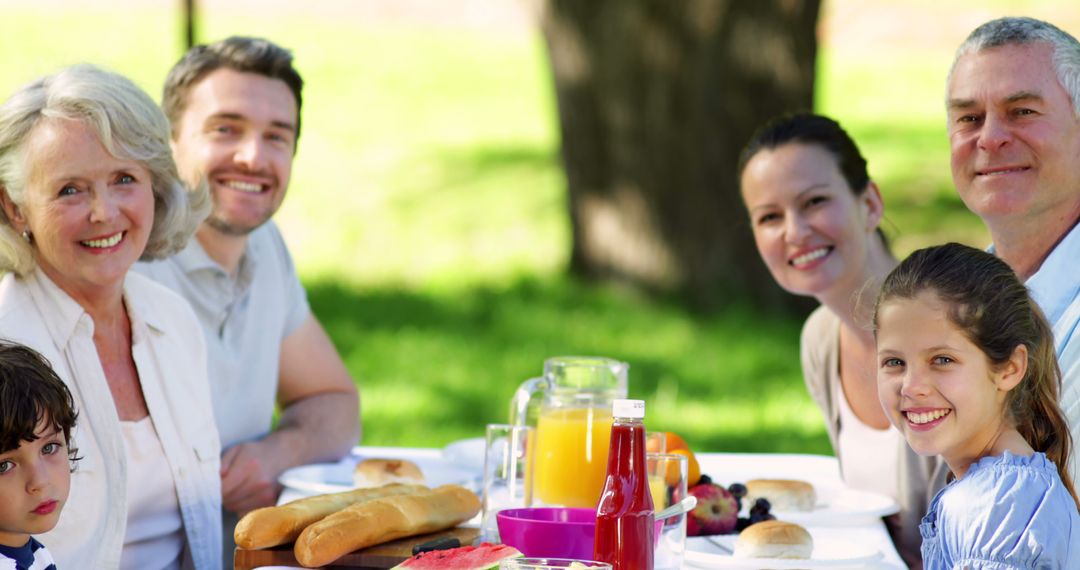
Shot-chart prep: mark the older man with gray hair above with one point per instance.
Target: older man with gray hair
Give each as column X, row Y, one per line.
column 1013, row 102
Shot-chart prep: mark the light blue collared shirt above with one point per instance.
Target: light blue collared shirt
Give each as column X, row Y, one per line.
column 1006, row 512
column 1056, row 288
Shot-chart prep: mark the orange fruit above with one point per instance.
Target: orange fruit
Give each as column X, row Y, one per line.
column 653, row 440
column 693, row 469
column 675, row 442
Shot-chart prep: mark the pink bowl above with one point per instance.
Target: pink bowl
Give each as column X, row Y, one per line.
column 551, row 532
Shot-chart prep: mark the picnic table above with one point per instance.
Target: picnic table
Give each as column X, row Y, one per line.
column 823, row 471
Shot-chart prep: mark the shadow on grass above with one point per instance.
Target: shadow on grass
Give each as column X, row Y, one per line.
column 435, row 366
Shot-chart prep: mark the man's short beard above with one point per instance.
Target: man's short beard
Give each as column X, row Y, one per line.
column 230, row 229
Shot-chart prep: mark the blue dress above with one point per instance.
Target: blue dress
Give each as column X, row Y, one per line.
column 1006, row 512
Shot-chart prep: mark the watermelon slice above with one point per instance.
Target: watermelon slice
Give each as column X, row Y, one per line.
column 486, row 555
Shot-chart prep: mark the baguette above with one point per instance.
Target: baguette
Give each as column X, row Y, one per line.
column 271, row 526
column 381, row 520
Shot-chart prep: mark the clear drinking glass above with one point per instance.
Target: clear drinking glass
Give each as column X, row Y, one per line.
column 667, row 482
column 550, row 564
column 507, row 473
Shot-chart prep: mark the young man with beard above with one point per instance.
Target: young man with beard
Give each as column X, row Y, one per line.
column 1013, row 102
column 235, row 112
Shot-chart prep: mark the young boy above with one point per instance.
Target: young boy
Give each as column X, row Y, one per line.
column 36, row 458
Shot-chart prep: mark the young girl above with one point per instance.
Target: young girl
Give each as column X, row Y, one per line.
column 815, row 214
column 36, row 458
column 966, row 370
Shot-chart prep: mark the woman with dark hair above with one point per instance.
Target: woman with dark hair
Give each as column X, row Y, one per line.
column 815, row 215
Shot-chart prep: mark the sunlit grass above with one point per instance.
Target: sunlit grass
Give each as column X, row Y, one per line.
column 437, row 365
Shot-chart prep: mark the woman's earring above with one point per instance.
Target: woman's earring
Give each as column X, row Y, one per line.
column 26, row 235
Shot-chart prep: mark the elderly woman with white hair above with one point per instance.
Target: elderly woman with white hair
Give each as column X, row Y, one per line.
column 88, row 186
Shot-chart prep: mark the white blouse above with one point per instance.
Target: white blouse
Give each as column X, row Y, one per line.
column 169, row 352
column 155, row 531
column 875, row 471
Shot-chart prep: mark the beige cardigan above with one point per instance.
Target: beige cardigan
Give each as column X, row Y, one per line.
column 920, row 478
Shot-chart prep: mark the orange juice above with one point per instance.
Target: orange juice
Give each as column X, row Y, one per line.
column 571, row 456
column 658, row 489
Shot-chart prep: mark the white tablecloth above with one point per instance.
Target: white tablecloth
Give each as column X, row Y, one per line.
column 723, row 467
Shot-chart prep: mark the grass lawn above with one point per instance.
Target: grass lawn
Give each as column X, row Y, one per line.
column 427, row 215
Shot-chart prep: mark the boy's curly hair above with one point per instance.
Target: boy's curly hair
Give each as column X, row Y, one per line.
column 30, row 393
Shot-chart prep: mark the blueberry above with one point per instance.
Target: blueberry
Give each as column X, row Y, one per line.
column 738, row 490
column 704, row 480
column 741, row 523
column 763, row 504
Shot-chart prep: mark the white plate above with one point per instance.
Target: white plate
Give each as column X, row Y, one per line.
column 466, row 453
column 701, row 552
column 337, row 477
column 839, row 505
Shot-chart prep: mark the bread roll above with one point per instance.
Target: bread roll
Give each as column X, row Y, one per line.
column 380, row 520
column 774, row 539
column 782, row 494
column 378, row 472
column 271, row 526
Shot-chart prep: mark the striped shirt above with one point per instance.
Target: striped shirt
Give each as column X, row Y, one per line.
column 30, row 556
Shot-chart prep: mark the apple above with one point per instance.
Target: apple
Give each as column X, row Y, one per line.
column 717, row 511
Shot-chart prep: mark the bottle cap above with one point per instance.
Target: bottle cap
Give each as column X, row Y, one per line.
column 628, row 409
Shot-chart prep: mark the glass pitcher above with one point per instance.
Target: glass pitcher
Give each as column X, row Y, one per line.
column 573, row 427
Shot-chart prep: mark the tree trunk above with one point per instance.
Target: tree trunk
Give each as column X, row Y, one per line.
column 656, row 98
column 190, row 17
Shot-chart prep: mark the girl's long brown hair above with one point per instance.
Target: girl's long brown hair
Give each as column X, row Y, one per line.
column 994, row 310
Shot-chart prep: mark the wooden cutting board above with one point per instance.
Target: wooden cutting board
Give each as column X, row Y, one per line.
column 386, row 555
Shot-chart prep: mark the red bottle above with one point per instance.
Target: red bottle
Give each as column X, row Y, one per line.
column 624, row 515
